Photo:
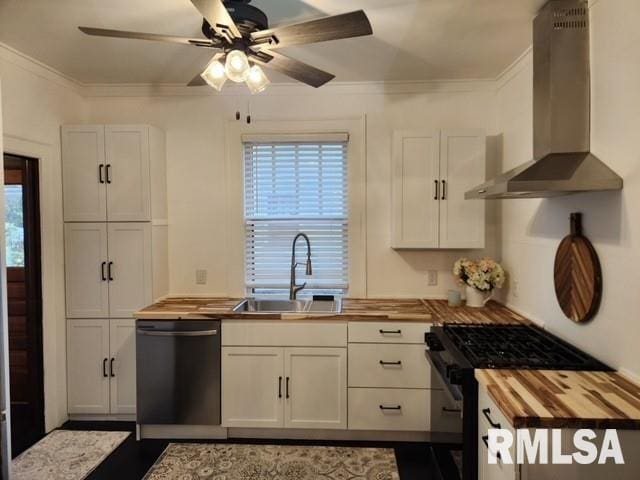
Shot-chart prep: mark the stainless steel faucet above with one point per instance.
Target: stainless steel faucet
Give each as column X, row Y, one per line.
column 293, row 288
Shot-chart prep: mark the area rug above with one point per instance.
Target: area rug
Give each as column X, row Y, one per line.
column 197, row 461
column 66, row 455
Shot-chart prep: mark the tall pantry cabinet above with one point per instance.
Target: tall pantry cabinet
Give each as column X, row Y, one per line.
column 115, row 235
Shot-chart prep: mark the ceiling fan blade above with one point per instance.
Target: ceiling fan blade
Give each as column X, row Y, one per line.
column 292, row 68
column 104, row 32
column 198, row 81
column 218, row 17
column 347, row 25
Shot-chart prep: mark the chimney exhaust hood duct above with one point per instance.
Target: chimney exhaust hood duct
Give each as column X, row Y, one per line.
column 562, row 161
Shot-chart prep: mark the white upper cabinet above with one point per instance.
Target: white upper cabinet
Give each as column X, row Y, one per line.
column 113, row 173
column 108, row 269
column 416, row 173
column 86, row 263
column 129, row 268
column 432, row 169
column 83, row 173
column 127, row 171
column 462, row 167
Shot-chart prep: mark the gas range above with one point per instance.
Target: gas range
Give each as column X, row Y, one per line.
column 517, row 346
column 456, row 350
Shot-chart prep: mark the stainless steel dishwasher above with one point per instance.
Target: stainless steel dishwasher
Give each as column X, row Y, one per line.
column 178, row 372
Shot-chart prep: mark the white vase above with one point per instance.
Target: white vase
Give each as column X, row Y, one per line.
column 476, row 298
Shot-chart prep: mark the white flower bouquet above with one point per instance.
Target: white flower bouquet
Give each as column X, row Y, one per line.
column 484, row 275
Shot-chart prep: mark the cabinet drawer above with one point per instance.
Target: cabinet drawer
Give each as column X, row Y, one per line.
column 485, row 402
column 365, row 412
column 395, row 366
column 387, row 332
column 281, row 333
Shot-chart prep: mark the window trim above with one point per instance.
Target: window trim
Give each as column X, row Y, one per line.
column 234, row 164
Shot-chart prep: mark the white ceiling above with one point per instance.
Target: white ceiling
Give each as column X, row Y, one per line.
column 413, row 39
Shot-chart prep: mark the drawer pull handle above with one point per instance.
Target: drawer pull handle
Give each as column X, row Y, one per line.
column 384, row 407
column 383, row 363
column 279, row 387
column 390, row 332
column 451, row 410
column 485, row 439
column 486, row 412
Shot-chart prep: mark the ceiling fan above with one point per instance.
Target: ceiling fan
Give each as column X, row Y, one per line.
column 240, row 34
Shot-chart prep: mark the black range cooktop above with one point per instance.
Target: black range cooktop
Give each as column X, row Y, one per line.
column 517, row 346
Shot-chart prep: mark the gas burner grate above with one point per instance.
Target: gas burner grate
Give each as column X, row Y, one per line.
column 517, row 346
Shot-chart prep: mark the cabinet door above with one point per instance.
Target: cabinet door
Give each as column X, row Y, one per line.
column 252, row 387
column 87, row 290
column 462, row 167
column 87, row 366
column 315, row 388
column 129, row 268
column 83, row 173
column 128, row 176
column 122, row 365
column 415, row 188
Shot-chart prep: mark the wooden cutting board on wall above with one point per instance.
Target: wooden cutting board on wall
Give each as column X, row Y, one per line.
column 577, row 274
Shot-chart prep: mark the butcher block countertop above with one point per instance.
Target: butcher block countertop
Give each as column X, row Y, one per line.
column 353, row 309
column 564, row 399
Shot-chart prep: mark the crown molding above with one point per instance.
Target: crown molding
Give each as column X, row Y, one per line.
column 93, row 90
column 291, row 89
column 523, row 61
column 38, row 68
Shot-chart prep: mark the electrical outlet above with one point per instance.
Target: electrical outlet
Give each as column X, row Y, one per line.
column 514, row 288
column 201, row 277
column 432, row 278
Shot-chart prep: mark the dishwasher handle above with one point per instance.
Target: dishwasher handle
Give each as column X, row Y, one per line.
column 177, row 333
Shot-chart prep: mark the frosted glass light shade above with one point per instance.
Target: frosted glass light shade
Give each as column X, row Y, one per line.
column 257, row 81
column 215, row 75
column 237, row 66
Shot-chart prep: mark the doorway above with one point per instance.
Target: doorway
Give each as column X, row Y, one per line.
column 24, row 301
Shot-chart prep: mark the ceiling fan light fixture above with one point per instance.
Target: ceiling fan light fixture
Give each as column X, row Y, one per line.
column 257, row 81
column 237, row 66
column 215, row 75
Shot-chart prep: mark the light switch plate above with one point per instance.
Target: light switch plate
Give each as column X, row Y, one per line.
column 432, row 278
column 201, row 277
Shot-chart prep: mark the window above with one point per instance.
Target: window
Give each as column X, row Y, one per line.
column 13, row 225
column 292, row 187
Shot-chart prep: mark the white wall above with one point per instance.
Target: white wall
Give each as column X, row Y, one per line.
column 35, row 102
column 195, row 129
column 532, row 229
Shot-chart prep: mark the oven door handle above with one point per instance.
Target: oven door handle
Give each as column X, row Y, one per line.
column 440, row 368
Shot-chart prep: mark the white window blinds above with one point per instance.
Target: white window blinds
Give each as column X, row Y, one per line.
column 292, row 187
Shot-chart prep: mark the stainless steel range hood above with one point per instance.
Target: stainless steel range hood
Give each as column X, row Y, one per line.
column 562, row 161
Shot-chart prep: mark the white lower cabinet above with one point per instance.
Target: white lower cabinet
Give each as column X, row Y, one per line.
column 101, row 366
column 389, row 409
column 87, row 358
column 122, row 367
column 293, row 387
column 315, row 387
column 252, row 386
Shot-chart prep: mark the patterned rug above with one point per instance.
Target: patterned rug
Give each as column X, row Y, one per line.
column 195, row 461
column 66, row 455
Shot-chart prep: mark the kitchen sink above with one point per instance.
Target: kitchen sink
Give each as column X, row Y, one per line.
column 257, row 305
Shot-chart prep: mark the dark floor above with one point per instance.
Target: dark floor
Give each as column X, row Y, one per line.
column 132, row 459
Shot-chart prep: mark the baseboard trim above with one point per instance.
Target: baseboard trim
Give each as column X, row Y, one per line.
column 213, row 432
column 102, row 418
column 182, row 432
